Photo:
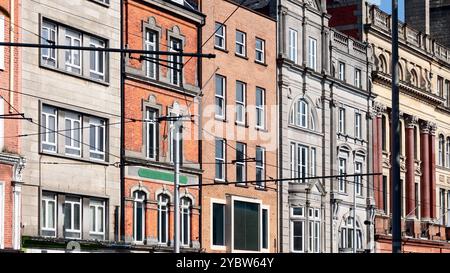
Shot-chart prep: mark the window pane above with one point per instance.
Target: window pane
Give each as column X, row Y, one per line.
column 67, row 216
column 298, row 235
column 92, row 223
column 77, row 216
column 51, row 214
column 218, row 224
column 265, row 229
column 246, row 226
column 100, row 219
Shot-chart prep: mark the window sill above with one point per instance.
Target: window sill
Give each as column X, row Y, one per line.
column 80, row 159
column 241, row 56
column 241, row 124
column 218, row 181
column 261, row 63
column 261, row 188
column 221, row 49
column 262, row 129
column 221, row 119
column 245, row 186
column 79, row 76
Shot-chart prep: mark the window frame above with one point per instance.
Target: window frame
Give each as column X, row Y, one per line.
column 149, row 111
column 102, row 206
column 261, row 51
column 152, row 46
column 358, row 125
column 222, row 36
column 175, row 62
column 342, row 171
column 293, row 45
column 46, row 199
column 342, row 71
column 260, row 109
column 358, row 179
column 97, row 123
column 358, row 77
column 312, row 53
column 185, row 211
column 52, row 53
column 241, row 104
column 72, row 217
column 242, row 44
column 45, row 118
column 342, row 121
column 73, row 132
column 97, row 43
column 241, row 164
column 222, row 203
column 142, row 202
column 166, row 210
column 260, row 166
column 70, row 65
column 221, row 97
column 223, row 160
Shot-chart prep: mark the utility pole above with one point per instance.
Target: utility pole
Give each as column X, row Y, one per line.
column 395, row 180
column 176, row 161
column 354, row 215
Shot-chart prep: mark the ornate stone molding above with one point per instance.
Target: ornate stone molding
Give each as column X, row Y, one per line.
column 379, row 108
column 427, row 127
column 411, row 121
column 18, row 169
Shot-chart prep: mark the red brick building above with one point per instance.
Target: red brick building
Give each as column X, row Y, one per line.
column 11, row 164
column 158, row 86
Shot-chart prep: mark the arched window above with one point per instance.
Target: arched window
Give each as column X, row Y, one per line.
column 347, row 235
column 163, row 218
column 400, row 72
column 186, row 205
column 301, row 115
column 139, row 198
column 441, row 158
column 414, row 78
column 447, row 153
column 383, row 64
column 384, row 124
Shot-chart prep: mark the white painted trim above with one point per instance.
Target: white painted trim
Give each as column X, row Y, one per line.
column 266, row 250
column 223, row 202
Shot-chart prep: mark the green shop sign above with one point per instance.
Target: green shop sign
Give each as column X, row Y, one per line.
column 164, row 176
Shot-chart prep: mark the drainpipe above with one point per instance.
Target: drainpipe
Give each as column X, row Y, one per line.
column 11, row 54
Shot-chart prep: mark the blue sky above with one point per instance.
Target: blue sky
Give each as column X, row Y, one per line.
column 386, row 6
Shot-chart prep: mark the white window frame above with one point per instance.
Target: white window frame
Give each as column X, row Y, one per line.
column 261, row 51
column 98, row 55
column 175, row 62
column 45, row 226
column 260, row 109
column 241, row 44
column 293, row 45
column 52, row 30
column 313, row 224
column 224, row 203
column 241, row 105
column 242, row 164
column 183, row 208
column 358, row 77
column 342, row 170
column 358, row 179
column 74, row 36
column 260, row 166
column 218, row 159
column 312, row 161
column 267, row 208
column 341, row 121
column 47, row 131
column 72, row 216
column 342, row 71
column 166, row 210
column 72, row 133
column 297, row 219
column 136, row 200
column 358, row 125
column 312, row 53
column 98, row 124
column 151, row 46
column 222, row 37
column 302, row 114
column 150, row 120
column 97, row 205
column 219, row 97
column 302, row 150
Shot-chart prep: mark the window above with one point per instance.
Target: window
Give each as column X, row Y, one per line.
column 97, row 138
column 73, row 57
column 448, row 209
column 383, row 64
column 302, row 162
column 447, row 88
column 2, row 48
column 49, row 125
column 297, row 229
column 347, row 234
column 260, row 50
column 218, row 224
column 241, row 166
column 151, row 134
column 97, row 60
column 385, row 192
column 240, row 102
column 260, row 165
column 220, row 36
column 312, row 162
column 414, row 78
column 447, row 153
column 72, row 217
column 220, row 97
column 441, row 158
column 246, row 226
column 358, row 126
column 97, row 219
column 342, row 171
column 139, row 216
column 172, row 141
column 357, row 78
column 314, row 230
column 312, row 60
column 240, row 43
column 48, row 215
column 384, row 133
column 440, row 86
column 163, row 218
column 260, row 108
column 73, row 134
column 341, row 71
column 300, row 114
column 341, row 126
column 220, row 159
column 416, row 195
column 186, row 205
column 48, row 37
column 175, row 62
column 265, row 228
column 358, row 179
column 150, row 43
column 442, row 211
column 293, row 41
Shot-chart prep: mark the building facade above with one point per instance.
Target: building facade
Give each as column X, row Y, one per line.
column 238, row 129
column 161, row 86
column 71, row 190
column 424, row 92
column 324, row 105
column 11, row 161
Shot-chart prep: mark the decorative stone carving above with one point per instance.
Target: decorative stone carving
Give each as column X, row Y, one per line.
column 18, row 169
column 411, row 121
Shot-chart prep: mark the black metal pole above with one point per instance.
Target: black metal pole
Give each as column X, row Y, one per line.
column 122, row 124
column 395, row 134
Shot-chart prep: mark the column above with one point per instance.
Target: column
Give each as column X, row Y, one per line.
column 410, row 122
column 432, row 168
column 425, row 180
column 376, row 185
column 379, row 162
